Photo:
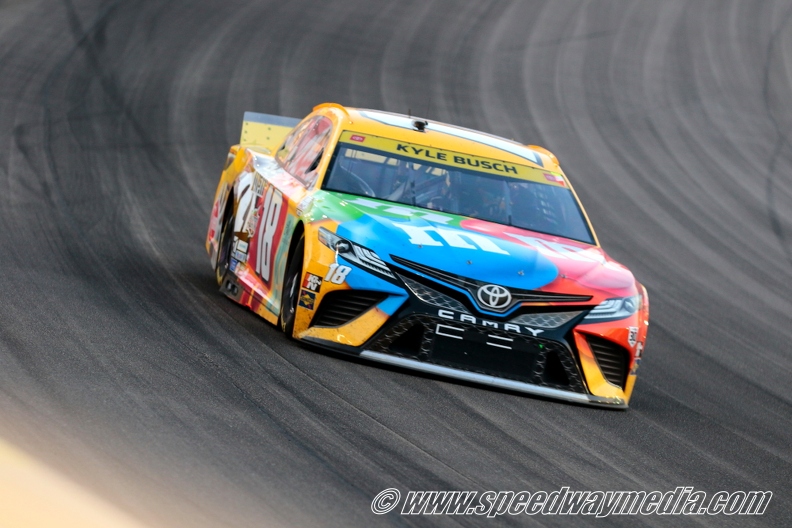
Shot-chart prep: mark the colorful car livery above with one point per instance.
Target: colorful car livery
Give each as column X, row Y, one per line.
column 426, row 246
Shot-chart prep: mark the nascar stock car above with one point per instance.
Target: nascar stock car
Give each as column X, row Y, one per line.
column 426, row 246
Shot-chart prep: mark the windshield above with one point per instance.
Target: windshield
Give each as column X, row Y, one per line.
column 439, row 180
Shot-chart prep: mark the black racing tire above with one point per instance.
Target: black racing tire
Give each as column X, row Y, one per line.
column 224, row 248
column 291, row 289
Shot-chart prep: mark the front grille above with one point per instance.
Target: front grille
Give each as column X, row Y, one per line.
column 472, row 286
column 483, row 350
column 545, row 320
column 612, row 359
column 341, row 306
column 433, row 297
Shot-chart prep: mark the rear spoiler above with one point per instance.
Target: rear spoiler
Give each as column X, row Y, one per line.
column 265, row 130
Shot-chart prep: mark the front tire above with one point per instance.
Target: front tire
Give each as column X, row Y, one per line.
column 291, row 290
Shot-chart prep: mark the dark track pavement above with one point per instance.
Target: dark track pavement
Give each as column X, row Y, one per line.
column 123, row 367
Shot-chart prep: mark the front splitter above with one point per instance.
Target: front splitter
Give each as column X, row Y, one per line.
column 493, row 381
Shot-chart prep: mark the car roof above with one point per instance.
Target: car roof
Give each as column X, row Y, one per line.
column 441, row 135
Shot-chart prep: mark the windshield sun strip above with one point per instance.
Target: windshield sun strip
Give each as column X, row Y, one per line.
column 385, row 155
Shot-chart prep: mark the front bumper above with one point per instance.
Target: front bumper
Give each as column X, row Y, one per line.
column 429, row 327
column 441, row 342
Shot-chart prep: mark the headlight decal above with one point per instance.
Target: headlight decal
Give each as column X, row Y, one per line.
column 354, row 253
column 614, row 309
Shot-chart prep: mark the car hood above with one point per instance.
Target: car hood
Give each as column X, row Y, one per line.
column 476, row 249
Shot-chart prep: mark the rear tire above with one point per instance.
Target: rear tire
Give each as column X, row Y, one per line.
column 291, row 290
column 224, row 248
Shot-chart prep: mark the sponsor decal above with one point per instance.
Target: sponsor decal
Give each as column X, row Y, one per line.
column 258, row 185
column 632, row 338
column 509, row 327
column 403, row 211
column 422, row 236
column 304, row 205
column 337, row 274
column 358, row 138
column 638, row 353
column 494, row 296
column 557, row 250
column 241, row 246
column 312, row 282
column 241, row 257
column 307, row 299
column 636, row 364
column 555, row 178
column 233, row 265
column 250, row 223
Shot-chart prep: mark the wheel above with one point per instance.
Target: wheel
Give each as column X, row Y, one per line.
column 291, row 290
column 224, row 248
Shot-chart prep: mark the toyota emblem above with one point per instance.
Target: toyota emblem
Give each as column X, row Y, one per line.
column 494, row 296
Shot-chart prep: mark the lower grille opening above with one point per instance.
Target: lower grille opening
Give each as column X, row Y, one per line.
column 464, row 346
column 342, row 306
column 409, row 343
column 612, row 359
column 554, row 372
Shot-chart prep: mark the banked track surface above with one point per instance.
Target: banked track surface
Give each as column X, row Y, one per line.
column 124, row 368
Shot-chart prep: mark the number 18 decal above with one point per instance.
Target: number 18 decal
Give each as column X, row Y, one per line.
column 269, row 231
column 337, row 274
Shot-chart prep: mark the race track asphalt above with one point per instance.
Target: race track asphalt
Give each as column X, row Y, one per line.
column 122, row 366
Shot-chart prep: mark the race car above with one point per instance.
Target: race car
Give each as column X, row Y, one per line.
column 426, row 246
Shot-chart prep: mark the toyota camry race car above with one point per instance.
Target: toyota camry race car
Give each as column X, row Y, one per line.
column 426, row 246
